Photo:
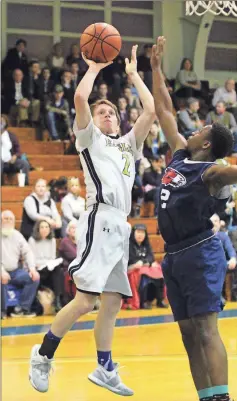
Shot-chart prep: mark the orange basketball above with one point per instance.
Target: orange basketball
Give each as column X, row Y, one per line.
column 100, row 42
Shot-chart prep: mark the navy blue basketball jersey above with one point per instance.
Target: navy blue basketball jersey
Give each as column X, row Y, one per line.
column 185, row 204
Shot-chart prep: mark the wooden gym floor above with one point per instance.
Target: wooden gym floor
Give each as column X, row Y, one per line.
column 146, row 343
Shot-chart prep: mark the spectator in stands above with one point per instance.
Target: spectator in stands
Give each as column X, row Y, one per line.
column 226, row 242
column 152, row 180
column 153, row 141
column 39, row 206
column 16, row 59
column 102, row 93
column 114, row 75
column 229, row 216
column 143, row 271
column 144, row 65
column 18, row 103
column 46, row 86
column 75, row 57
column 58, row 116
column 68, row 89
column 188, row 119
column 76, row 76
column 123, row 113
column 11, row 161
column 34, row 80
column 55, row 61
column 15, row 251
column 133, row 100
column 227, row 94
column 72, row 204
column 187, row 83
column 68, row 251
column 133, row 115
column 43, row 246
column 224, row 117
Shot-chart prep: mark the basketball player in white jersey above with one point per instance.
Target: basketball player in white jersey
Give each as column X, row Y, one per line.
column 103, row 232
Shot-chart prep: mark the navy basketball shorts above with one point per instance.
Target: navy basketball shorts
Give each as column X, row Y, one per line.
column 194, row 278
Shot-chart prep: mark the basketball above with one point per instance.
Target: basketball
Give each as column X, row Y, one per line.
column 100, row 42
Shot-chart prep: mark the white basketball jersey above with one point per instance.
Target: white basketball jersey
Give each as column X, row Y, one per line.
column 108, row 164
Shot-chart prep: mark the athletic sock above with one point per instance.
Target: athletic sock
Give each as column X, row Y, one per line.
column 206, row 394
column 49, row 345
column 221, row 393
column 105, row 359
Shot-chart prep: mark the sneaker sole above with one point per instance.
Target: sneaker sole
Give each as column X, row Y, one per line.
column 32, row 383
column 99, row 382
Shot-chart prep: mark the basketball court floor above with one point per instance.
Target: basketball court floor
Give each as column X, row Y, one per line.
column 147, row 344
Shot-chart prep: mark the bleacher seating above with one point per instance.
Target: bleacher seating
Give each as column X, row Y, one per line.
column 49, row 162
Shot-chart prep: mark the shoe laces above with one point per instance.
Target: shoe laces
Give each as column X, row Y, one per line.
column 44, row 366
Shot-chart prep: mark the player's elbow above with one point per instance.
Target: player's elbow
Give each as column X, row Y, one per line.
column 79, row 98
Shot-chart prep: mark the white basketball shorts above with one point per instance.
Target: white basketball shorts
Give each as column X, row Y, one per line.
column 102, row 251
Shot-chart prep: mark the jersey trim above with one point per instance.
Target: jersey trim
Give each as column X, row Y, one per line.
column 89, row 241
column 187, row 161
column 99, row 196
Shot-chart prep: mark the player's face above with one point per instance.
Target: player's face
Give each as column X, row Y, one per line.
column 105, row 119
column 200, row 139
column 44, row 229
column 139, row 236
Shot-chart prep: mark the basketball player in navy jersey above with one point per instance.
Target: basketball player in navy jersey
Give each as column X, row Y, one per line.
column 194, row 266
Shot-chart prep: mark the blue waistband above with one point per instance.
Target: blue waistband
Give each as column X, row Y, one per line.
column 189, row 242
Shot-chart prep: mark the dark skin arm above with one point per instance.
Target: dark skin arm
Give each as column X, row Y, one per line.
column 163, row 102
column 217, row 177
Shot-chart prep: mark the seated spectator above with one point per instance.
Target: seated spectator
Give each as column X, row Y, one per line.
column 43, row 246
column 187, row 83
column 188, row 119
column 72, row 204
column 76, row 75
column 75, row 57
column 114, row 75
column 123, row 113
column 11, row 161
column 152, row 180
column 226, row 243
column 153, row 141
column 133, row 115
column 102, row 93
column 132, row 100
column 34, row 80
column 16, row 250
column 46, row 86
column 227, row 94
column 16, row 59
column 68, row 251
column 68, row 89
column 229, row 215
column 55, row 61
column 58, row 116
column 143, row 271
column 222, row 116
column 17, row 100
column 144, row 65
column 137, row 193
column 39, row 206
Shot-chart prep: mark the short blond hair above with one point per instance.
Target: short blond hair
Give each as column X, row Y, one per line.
column 71, row 181
column 105, row 101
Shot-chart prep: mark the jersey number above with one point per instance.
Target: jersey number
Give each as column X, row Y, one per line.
column 165, row 194
column 127, row 164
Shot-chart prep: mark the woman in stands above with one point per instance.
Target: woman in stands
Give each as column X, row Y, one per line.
column 39, row 206
column 43, row 245
column 143, row 272
column 72, row 204
column 187, row 83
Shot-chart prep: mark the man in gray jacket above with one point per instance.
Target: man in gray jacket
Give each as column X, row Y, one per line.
column 15, row 249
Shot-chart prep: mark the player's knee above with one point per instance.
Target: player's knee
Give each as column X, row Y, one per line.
column 205, row 332
column 188, row 334
column 85, row 302
column 111, row 303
